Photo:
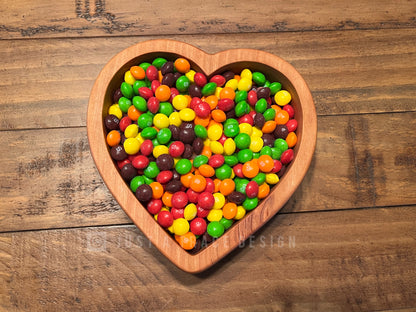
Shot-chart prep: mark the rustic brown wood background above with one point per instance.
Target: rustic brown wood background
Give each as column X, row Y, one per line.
column 346, row 241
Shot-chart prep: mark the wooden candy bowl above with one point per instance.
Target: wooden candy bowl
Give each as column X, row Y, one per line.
column 274, row 68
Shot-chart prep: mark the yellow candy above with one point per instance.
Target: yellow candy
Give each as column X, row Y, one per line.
column 140, row 138
column 131, row 131
column 175, row 119
column 256, row 144
column 232, row 83
column 161, row 121
column 217, row 92
column 207, row 142
column 190, row 75
column 229, row 146
column 180, row 226
column 244, row 84
column 272, row 178
column 214, row 132
column 187, row 114
column 246, row 73
column 160, row 150
column 216, row 147
column 115, row 110
column 256, row 132
column 214, row 215
column 246, row 128
column 190, row 212
column 180, row 102
column 282, row 97
column 131, row 146
column 219, row 201
column 128, row 77
column 241, row 212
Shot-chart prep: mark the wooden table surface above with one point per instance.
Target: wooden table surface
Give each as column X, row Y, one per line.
column 345, row 241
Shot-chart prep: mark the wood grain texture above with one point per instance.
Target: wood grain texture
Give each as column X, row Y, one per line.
column 110, row 17
column 293, row 264
column 355, row 165
column 348, row 72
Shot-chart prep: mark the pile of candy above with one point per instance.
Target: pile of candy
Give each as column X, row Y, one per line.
column 198, row 153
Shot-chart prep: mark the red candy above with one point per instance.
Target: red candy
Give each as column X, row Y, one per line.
column 140, row 162
column 206, row 200
column 179, row 200
column 165, row 218
column 176, row 149
column 287, row 156
column 200, row 79
column 154, row 206
column 198, row 226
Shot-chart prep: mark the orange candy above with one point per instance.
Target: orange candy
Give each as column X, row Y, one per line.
column 113, row 138
column 227, row 93
column 282, row 117
column 206, row 170
column 265, row 163
column 217, row 184
column 229, row 210
column 291, row 139
column 206, row 150
column 162, row 93
column 182, row 65
column 202, row 121
column 227, row 186
column 133, row 113
column 187, row 241
column 218, row 115
column 269, row 126
column 157, row 189
column 137, row 72
column 198, row 183
column 186, row 179
column 250, row 169
column 167, row 199
column 212, row 101
column 264, row 190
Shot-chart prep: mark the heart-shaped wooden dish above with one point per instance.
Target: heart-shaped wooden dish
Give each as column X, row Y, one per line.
column 274, row 68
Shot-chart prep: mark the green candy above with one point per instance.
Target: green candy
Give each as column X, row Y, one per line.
column 223, row 172
column 182, row 84
column 266, row 150
column 244, row 155
column 151, row 171
column 259, row 78
column 240, row 96
column 209, row 89
column 159, row 62
column 200, row 131
column 127, row 90
column 261, row 106
column 215, row 229
column 276, row 153
column 145, row 65
column 250, row 203
column 281, row 144
column 231, row 160
column 275, row 87
column 242, row 140
column 140, row 103
column 149, row 133
column 269, row 114
column 165, row 108
column 200, row 160
column 164, row 135
column 240, row 185
column 124, row 104
column 226, row 223
column 242, row 108
column 137, row 85
column 145, row 120
column 260, row 178
column 183, row 166
column 136, row 182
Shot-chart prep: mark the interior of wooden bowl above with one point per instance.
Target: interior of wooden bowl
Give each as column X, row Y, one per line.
column 101, row 98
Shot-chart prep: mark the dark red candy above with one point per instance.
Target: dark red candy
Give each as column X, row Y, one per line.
column 236, row 197
column 198, row 226
column 188, row 152
column 165, row 162
column 200, row 79
column 117, row 95
column 225, row 104
column 164, row 176
column 121, row 163
column 168, row 67
column 147, row 147
column 259, row 120
column 216, row 161
column 144, row 193
column 252, row 97
column 198, row 146
column 281, row 132
column 263, row 93
column 177, row 213
column 195, row 91
column 173, row 186
column 292, row 125
column 124, row 123
column 228, row 75
column 218, row 79
column 252, row 189
column 168, row 80
column 206, row 200
column 153, row 105
column 176, row 149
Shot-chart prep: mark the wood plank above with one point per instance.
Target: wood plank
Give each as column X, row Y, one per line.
column 109, row 17
column 347, row 72
column 360, row 266
column 356, row 164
